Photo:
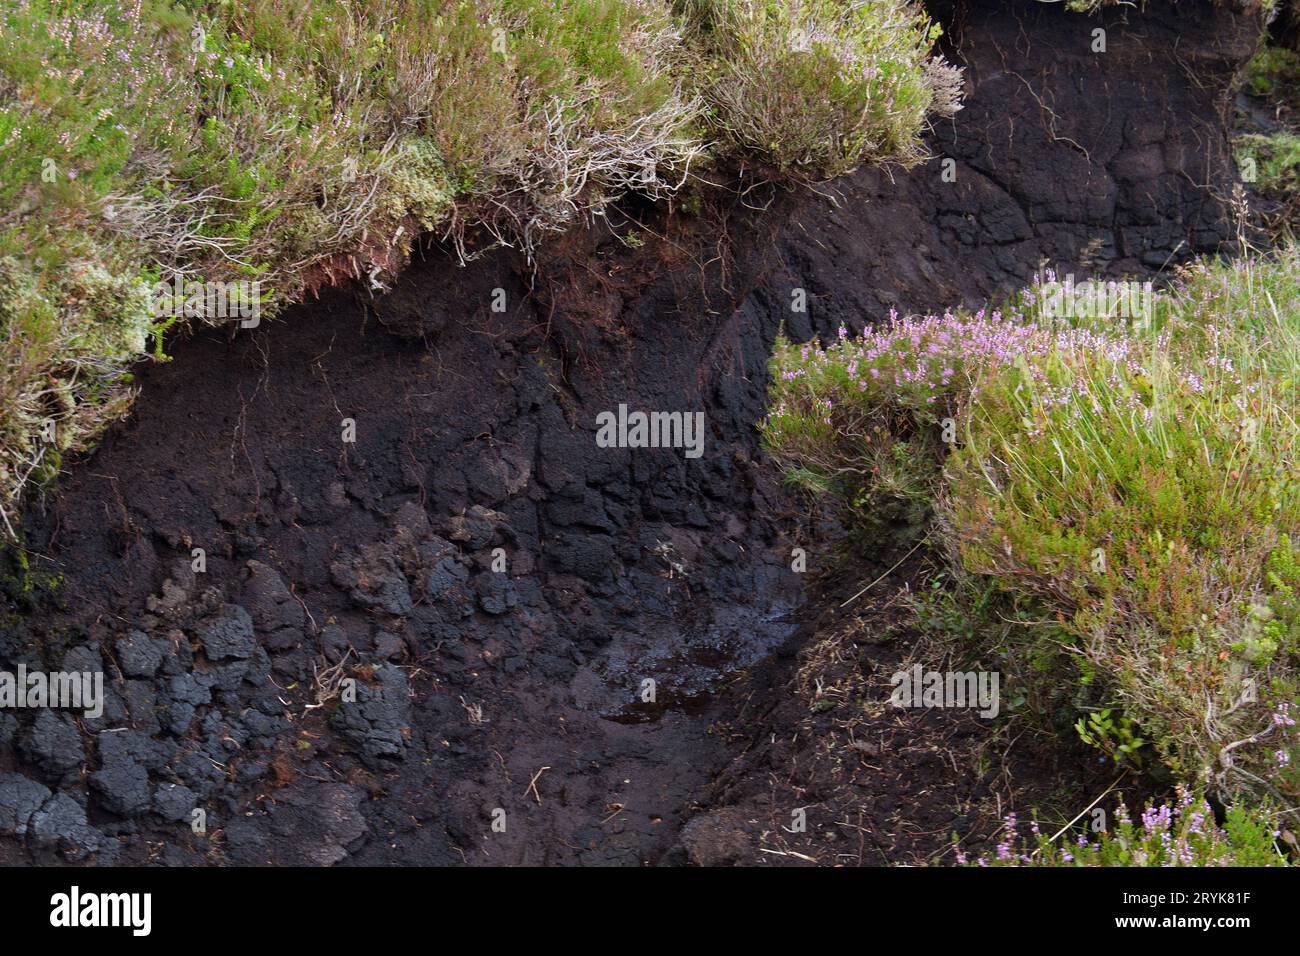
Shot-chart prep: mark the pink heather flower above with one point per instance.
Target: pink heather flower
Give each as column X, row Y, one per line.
column 1156, row 818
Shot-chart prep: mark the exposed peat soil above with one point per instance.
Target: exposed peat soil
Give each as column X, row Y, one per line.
column 480, row 690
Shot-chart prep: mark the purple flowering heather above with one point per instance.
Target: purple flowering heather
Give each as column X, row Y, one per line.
column 1031, row 446
column 1282, row 716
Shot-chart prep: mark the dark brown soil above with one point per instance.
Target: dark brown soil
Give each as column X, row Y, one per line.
column 484, row 695
column 830, row 773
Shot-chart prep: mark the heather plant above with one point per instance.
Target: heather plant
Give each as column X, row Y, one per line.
column 870, row 418
column 1181, row 832
column 298, row 145
column 1145, row 500
column 1134, row 489
column 782, row 74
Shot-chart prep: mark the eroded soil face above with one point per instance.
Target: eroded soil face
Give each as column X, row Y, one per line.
column 500, row 588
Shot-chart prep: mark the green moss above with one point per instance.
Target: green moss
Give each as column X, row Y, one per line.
column 419, row 185
column 21, row 584
column 1274, row 157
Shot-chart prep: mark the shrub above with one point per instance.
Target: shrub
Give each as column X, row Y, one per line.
column 1137, row 487
column 1181, row 833
column 813, row 88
